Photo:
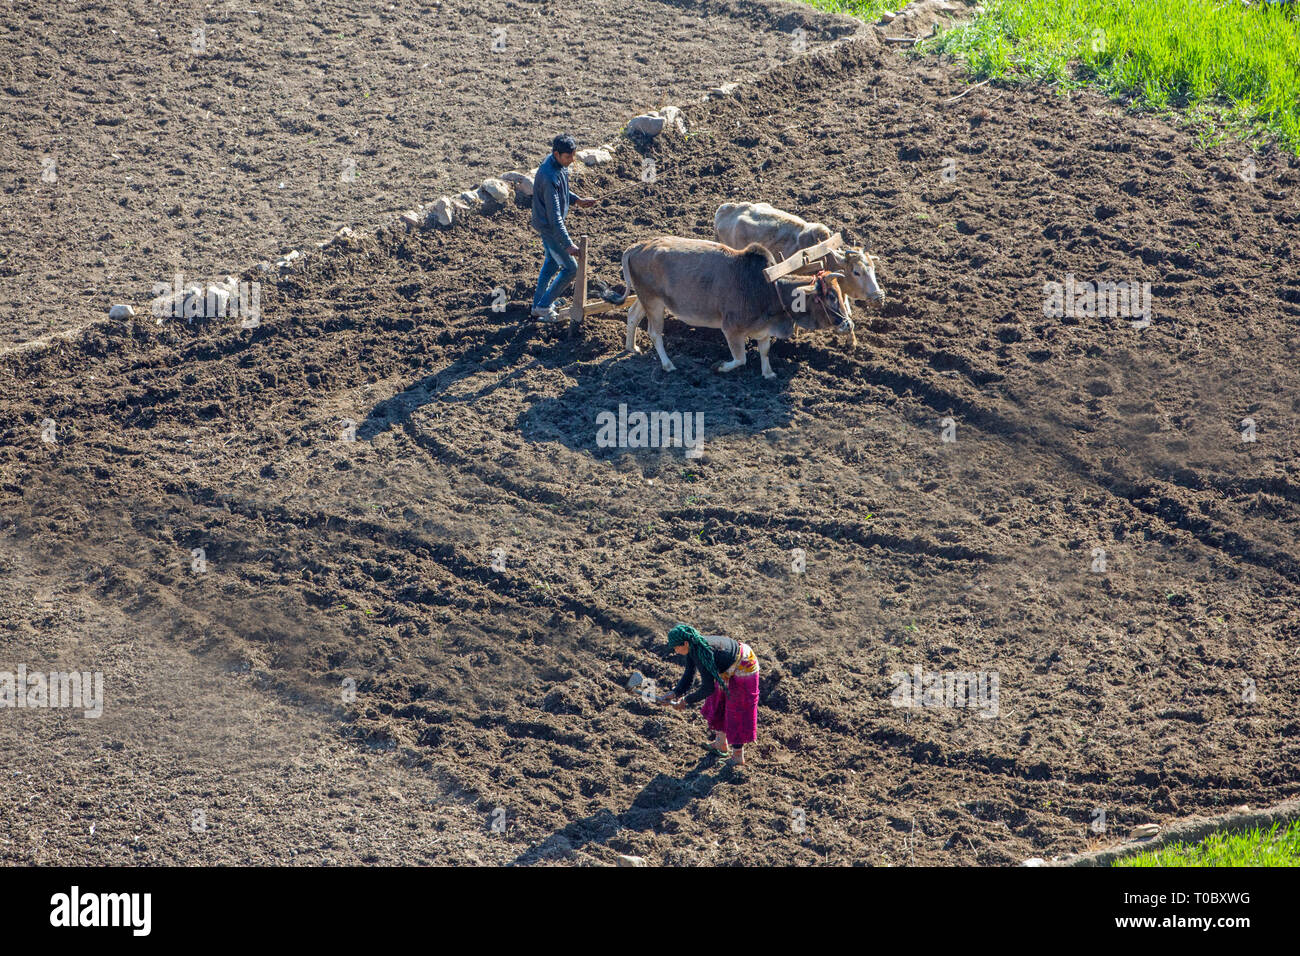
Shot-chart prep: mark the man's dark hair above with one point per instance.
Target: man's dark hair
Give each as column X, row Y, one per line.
column 563, row 143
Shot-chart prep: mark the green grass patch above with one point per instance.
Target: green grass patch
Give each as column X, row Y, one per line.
column 868, row 10
column 1232, row 66
column 1271, row 847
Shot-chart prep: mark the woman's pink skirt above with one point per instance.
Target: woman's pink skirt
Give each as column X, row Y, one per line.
column 734, row 713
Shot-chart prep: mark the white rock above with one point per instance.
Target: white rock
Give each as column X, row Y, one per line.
column 887, row 16
column 649, row 124
column 673, row 117
column 497, row 189
column 726, row 89
column 523, row 182
column 636, row 680
column 411, row 218
column 1034, row 861
column 630, row 860
column 1145, row 831
column 594, row 157
column 344, row 233
column 121, row 312
column 443, row 211
column 470, row 198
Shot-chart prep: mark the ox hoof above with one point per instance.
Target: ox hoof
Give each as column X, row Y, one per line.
column 769, row 375
column 669, row 367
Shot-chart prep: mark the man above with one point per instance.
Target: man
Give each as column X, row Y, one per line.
column 551, row 198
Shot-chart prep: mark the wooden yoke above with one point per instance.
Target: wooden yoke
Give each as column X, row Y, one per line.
column 804, row 258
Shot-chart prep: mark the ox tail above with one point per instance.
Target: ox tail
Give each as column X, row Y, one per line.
column 610, row 295
column 618, row 298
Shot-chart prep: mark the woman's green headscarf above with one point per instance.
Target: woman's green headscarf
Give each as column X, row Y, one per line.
column 698, row 648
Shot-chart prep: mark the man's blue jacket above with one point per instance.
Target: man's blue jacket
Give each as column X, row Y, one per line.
column 551, row 198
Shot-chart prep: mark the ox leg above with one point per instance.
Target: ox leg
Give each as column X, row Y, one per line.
column 853, row 338
column 735, row 342
column 763, row 346
column 655, row 326
column 634, row 315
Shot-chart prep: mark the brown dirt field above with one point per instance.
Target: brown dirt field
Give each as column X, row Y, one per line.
column 373, row 560
column 170, row 158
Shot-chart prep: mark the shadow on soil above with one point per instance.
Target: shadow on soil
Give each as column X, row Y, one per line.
column 717, row 404
column 662, row 795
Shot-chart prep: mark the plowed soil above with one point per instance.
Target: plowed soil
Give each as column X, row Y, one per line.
column 142, row 139
column 488, row 576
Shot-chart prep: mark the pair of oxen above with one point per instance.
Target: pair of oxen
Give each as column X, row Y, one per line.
column 722, row 285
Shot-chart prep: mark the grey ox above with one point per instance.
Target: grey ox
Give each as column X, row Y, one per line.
column 783, row 234
column 707, row 284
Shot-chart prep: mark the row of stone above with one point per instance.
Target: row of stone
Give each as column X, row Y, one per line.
column 444, row 211
column 193, row 301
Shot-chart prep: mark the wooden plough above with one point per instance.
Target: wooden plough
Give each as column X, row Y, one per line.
column 580, row 308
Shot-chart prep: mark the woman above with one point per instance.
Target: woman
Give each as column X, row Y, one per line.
column 729, row 681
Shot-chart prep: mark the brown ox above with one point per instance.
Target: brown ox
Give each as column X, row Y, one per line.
column 708, row 284
column 783, row 234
